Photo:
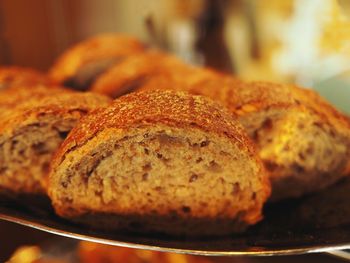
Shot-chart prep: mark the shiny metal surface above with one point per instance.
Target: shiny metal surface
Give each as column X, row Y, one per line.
column 343, row 254
column 318, row 223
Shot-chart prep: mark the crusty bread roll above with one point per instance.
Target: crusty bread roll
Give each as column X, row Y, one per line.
column 19, row 76
column 159, row 162
column 303, row 141
column 32, row 129
column 138, row 69
column 78, row 66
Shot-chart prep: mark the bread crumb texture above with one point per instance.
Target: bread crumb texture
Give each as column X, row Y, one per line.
column 302, row 139
column 159, row 161
column 34, row 121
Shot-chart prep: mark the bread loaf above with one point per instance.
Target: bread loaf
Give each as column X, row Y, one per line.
column 162, row 162
column 303, row 140
column 305, row 143
column 137, row 70
column 19, row 76
column 81, row 64
column 32, row 128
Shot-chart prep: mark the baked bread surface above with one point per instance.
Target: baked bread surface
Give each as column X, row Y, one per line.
column 14, row 96
column 159, row 162
column 78, row 66
column 302, row 139
column 32, row 126
column 19, row 76
column 136, row 69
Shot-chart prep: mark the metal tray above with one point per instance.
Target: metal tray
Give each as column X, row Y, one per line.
column 316, row 223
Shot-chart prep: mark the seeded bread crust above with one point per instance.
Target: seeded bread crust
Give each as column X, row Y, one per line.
column 166, row 111
column 19, row 76
column 80, row 64
column 33, row 123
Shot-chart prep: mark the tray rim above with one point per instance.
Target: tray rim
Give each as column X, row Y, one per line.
column 254, row 252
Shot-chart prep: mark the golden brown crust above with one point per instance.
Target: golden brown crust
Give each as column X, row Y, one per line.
column 171, row 109
column 324, row 109
column 19, row 76
column 265, row 109
column 107, row 46
column 42, row 101
column 247, row 96
column 231, row 92
column 14, row 96
column 127, row 75
column 243, row 98
column 292, row 101
column 25, row 120
column 252, row 97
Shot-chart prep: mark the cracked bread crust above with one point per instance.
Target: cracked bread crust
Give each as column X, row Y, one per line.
column 32, row 126
column 172, row 133
column 79, row 65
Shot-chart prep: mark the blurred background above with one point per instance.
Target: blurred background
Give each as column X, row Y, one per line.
column 293, row 41
column 306, row 42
